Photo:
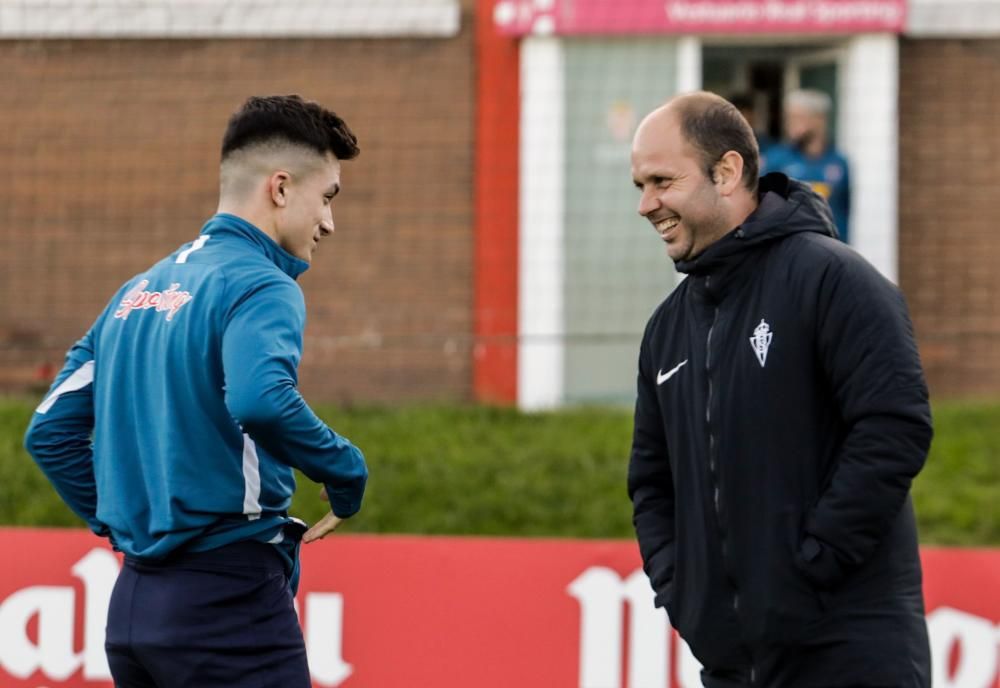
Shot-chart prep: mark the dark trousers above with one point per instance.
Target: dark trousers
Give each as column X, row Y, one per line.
column 206, row 620
column 894, row 661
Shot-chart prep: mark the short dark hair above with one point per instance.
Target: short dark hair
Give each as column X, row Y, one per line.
column 265, row 119
column 714, row 127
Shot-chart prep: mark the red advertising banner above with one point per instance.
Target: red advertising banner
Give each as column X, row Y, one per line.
column 611, row 17
column 381, row 612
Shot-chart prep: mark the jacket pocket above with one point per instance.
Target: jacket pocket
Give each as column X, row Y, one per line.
column 670, row 603
column 793, row 603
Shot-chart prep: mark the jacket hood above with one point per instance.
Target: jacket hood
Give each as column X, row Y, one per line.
column 785, row 207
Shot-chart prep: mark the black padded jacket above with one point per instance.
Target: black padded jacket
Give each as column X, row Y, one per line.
column 781, row 416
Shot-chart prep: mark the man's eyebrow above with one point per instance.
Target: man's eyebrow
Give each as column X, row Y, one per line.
column 655, row 178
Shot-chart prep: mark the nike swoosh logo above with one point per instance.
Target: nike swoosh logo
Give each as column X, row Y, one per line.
column 662, row 377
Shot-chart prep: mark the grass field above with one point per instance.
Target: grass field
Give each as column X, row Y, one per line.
column 477, row 470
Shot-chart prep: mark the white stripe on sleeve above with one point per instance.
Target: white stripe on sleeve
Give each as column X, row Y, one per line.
column 78, row 379
column 251, row 479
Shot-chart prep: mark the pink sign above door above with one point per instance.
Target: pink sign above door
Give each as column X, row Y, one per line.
column 613, row 17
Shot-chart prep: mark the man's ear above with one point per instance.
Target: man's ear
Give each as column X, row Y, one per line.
column 276, row 187
column 728, row 172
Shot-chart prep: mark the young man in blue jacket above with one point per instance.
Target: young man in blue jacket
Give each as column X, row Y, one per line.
column 781, row 417
column 176, row 422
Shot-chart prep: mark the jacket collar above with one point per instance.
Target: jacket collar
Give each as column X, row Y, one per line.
column 224, row 223
column 784, row 207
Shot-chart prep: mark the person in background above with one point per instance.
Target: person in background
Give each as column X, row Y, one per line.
column 809, row 156
column 747, row 106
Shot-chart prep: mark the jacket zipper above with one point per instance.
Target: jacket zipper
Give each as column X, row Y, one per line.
column 713, row 467
column 712, row 464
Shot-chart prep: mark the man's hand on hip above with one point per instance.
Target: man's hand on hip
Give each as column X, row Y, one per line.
column 325, row 526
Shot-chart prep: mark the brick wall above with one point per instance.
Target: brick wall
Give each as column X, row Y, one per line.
column 110, row 150
column 949, row 209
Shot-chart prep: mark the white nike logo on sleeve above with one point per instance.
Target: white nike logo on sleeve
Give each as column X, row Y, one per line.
column 662, row 377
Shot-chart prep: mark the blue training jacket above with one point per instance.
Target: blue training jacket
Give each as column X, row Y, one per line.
column 176, row 420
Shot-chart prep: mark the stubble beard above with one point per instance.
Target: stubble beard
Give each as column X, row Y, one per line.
column 706, row 230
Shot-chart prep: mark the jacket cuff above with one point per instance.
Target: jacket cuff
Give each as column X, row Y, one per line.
column 664, row 596
column 344, row 503
column 661, row 600
column 98, row 528
column 818, row 562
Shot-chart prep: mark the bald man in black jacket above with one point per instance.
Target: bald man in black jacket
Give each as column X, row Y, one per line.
column 781, row 416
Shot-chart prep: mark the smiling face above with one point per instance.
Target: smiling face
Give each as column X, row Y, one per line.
column 305, row 209
column 677, row 197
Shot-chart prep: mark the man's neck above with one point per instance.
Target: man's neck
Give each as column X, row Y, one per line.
column 744, row 209
column 741, row 210
column 244, row 212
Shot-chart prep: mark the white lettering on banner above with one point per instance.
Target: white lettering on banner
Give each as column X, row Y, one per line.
column 780, row 12
column 54, row 652
column 713, row 11
column 324, row 642
column 54, row 607
column 978, row 640
column 830, row 12
column 602, row 594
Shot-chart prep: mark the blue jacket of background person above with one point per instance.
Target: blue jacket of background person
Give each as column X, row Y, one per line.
column 828, row 175
column 176, row 421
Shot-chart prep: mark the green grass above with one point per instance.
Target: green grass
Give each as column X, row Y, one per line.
column 489, row 471
column 958, row 493
column 26, row 497
column 465, row 470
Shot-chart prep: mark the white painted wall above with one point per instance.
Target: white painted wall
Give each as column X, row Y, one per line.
column 689, row 76
column 953, row 18
column 227, row 19
column 541, row 321
column 542, row 192
column 869, row 137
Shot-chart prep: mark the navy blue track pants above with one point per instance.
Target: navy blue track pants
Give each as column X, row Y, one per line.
column 206, row 620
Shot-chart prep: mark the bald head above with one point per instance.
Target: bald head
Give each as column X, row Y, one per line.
column 694, row 161
column 712, row 126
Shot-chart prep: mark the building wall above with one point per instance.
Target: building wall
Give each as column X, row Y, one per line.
column 110, row 149
column 949, row 243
